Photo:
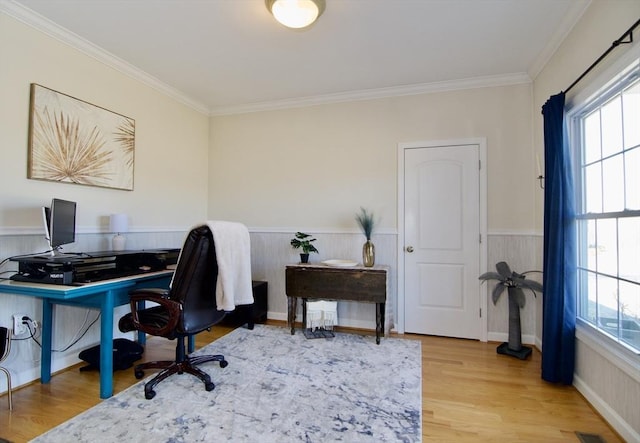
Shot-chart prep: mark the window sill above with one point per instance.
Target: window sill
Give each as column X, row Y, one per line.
column 618, row 355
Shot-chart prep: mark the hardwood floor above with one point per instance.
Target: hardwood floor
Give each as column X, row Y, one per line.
column 469, row 394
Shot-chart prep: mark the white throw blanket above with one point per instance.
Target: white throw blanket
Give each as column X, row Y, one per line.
column 233, row 253
column 322, row 314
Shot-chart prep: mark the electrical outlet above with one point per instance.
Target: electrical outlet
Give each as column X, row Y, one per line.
column 19, row 328
column 34, row 328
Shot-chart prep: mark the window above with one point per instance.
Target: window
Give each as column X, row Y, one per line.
column 606, row 136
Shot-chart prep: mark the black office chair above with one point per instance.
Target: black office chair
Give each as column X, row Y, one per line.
column 5, row 348
column 187, row 308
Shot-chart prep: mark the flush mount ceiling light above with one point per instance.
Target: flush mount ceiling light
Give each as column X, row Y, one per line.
column 296, row 13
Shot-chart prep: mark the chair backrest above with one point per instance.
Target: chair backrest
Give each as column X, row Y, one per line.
column 194, row 282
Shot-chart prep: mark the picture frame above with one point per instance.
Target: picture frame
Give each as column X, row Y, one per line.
column 74, row 141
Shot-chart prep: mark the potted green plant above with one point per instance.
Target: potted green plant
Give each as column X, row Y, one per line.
column 303, row 241
column 515, row 284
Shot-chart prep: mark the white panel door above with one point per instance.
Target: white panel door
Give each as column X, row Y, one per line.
column 442, row 241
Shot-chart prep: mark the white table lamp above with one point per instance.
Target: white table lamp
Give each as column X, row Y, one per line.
column 118, row 224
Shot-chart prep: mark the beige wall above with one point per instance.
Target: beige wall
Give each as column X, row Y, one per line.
column 314, row 167
column 311, row 168
column 170, row 182
column 609, row 379
column 602, row 23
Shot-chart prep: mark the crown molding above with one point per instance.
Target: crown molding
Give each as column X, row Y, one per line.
column 46, row 26
column 372, row 94
column 575, row 13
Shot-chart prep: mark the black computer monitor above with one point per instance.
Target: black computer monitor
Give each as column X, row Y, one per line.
column 60, row 223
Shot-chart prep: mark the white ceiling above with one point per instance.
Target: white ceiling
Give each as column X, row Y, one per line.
column 224, row 56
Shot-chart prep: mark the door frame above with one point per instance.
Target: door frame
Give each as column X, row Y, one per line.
column 482, row 290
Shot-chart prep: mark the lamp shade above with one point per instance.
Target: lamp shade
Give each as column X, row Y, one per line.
column 296, row 13
column 118, row 223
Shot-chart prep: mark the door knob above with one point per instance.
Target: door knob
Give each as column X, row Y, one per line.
column 409, row 248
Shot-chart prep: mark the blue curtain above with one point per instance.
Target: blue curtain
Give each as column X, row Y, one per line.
column 559, row 298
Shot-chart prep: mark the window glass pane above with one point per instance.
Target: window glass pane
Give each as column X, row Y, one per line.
column 591, row 236
column 631, row 113
column 613, row 184
column 592, row 137
column 608, row 304
column 629, row 249
column 611, row 127
column 632, row 178
column 630, row 313
column 607, row 250
column 608, row 224
column 593, row 191
column 588, row 301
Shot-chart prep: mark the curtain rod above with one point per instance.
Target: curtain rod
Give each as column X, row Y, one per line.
column 615, row 44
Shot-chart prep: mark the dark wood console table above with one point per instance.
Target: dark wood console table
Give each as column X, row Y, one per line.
column 311, row 281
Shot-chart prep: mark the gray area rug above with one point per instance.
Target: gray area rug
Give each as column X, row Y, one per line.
column 277, row 388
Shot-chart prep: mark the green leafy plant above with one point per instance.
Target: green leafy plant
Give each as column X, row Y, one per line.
column 366, row 222
column 303, row 241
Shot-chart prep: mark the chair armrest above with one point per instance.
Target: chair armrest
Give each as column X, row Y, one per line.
column 172, row 311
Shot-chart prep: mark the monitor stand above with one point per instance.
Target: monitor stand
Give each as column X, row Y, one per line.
column 55, row 254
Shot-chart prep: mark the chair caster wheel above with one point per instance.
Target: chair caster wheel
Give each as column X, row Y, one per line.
column 138, row 374
column 224, row 364
column 209, row 386
column 149, row 394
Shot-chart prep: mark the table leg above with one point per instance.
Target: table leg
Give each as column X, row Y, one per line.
column 291, row 314
column 106, row 345
column 304, row 314
column 142, row 337
column 47, row 331
column 379, row 321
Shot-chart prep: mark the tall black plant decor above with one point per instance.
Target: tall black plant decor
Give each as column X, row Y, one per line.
column 515, row 284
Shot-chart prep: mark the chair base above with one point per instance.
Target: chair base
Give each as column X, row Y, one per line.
column 188, row 365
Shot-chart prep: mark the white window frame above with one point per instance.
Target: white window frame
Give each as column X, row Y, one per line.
column 624, row 357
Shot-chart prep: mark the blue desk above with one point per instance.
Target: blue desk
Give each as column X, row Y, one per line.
column 104, row 295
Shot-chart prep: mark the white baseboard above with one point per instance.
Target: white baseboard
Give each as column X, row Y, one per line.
column 27, row 376
column 282, row 316
column 618, row 423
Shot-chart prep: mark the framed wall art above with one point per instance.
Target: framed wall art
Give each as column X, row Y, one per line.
column 73, row 141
